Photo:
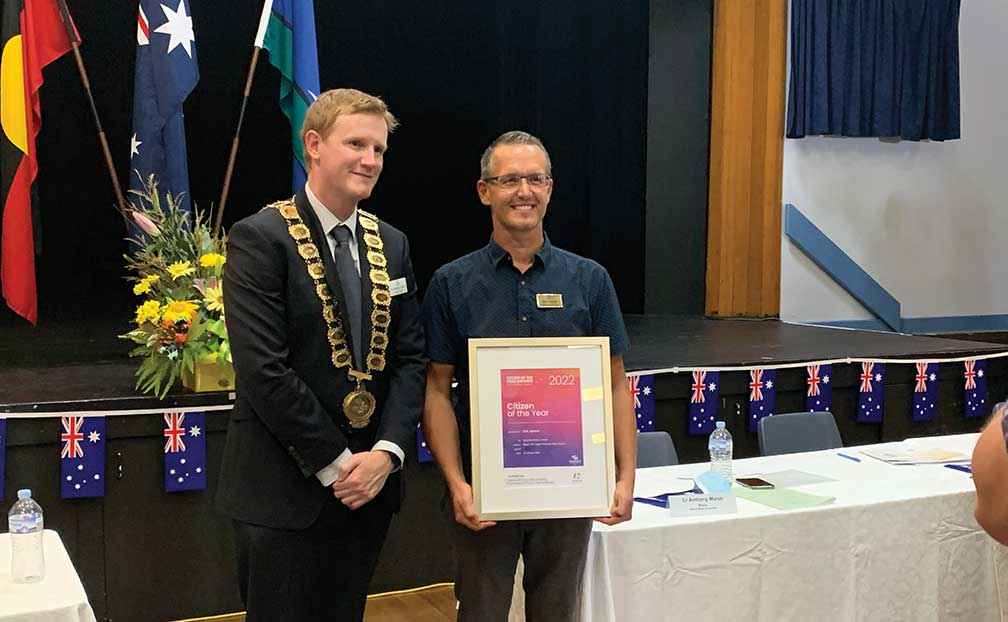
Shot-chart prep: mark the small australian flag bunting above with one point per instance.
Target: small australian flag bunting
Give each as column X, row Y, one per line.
column 762, row 395
column 871, row 394
column 925, row 395
column 184, row 451
column 819, row 394
column 642, row 390
column 422, row 450
column 703, row 406
column 3, row 454
column 82, row 457
column 975, row 389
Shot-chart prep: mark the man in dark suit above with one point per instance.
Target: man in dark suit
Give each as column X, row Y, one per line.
column 321, row 308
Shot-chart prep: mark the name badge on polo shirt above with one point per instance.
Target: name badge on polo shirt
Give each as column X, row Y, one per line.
column 549, row 301
column 397, row 286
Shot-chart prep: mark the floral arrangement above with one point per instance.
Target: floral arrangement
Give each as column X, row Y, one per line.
column 176, row 265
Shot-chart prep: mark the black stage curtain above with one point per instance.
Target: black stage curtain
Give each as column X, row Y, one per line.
column 874, row 68
column 456, row 73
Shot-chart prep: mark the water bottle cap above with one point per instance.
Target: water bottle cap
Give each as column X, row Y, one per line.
column 24, row 493
column 719, row 425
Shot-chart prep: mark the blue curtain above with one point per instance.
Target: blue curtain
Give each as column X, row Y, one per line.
column 874, row 68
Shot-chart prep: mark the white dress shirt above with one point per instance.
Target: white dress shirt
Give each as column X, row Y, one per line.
column 328, row 473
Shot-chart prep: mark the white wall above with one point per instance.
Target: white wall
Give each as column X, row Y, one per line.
column 928, row 220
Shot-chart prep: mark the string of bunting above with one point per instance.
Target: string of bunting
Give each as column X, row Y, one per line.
column 704, row 389
column 82, row 438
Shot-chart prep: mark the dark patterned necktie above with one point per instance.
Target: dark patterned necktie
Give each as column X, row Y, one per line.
column 350, row 282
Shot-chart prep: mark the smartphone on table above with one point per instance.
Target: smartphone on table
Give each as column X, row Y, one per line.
column 757, row 483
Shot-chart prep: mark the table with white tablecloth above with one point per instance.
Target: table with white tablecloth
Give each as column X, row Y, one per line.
column 898, row 543
column 58, row 597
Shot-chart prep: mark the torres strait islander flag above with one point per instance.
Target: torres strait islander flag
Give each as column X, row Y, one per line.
column 287, row 32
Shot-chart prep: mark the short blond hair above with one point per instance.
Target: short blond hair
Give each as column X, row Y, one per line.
column 328, row 106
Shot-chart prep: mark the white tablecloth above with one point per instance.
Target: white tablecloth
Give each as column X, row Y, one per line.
column 899, row 543
column 59, row 597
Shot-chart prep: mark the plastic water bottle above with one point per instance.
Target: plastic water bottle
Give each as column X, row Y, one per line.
column 720, row 446
column 25, row 523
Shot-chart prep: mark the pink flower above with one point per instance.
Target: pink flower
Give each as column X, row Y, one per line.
column 146, row 224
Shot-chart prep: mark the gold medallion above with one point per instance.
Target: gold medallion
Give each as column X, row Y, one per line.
column 307, row 251
column 381, row 297
column 299, row 232
column 358, row 406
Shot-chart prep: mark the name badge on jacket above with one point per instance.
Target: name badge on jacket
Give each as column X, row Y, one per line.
column 549, row 301
column 398, row 286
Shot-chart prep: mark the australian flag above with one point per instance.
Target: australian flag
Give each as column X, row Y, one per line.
column 762, row 395
column 819, row 394
column 3, row 455
column 422, row 450
column 184, row 451
column 703, row 406
column 925, row 395
column 642, row 390
column 871, row 394
column 165, row 74
column 82, row 457
column 975, row 389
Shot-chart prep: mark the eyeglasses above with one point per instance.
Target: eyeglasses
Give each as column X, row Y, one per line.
column 538, row 180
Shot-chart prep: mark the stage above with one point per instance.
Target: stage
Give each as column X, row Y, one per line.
column 113, row 540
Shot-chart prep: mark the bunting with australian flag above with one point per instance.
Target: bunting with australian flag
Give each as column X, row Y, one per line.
column 423, row 451
column 819, row 394
column 82, row 456
column 642, row 390
column 165, row 73
column 925, row 397
column 184, row 451
column 762, row 395
column 975, row 389
column 703, row 407
column 871, row 393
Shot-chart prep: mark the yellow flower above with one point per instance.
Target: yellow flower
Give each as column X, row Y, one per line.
column 149, row 311
column 176, row 310
column 213, row 298
column 180, row 268
column 212, row 260
column 145, row 283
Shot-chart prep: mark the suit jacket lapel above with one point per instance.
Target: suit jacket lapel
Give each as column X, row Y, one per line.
column 331, row 274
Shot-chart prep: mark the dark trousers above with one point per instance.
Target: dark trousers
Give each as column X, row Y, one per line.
column 317, row 574
column 553, row 551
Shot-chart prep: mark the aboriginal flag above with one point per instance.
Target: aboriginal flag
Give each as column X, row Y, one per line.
column 33, row 35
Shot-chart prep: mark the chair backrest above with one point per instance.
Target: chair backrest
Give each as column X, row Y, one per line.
column 655, row 449
column 796, row 432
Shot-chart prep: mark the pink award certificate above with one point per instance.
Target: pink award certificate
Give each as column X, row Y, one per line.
column 541, row 415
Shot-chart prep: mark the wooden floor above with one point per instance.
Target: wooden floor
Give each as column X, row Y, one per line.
column 435, row 603
column 431, row 604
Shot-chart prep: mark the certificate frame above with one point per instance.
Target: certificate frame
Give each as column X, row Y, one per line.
column 545, row 458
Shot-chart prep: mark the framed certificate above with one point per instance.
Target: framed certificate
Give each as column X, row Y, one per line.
column 542, row 429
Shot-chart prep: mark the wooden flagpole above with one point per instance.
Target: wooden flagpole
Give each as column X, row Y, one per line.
column 75, row 43
column 234, row 143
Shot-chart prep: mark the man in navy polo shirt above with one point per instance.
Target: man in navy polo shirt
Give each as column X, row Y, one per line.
column 492, row 293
